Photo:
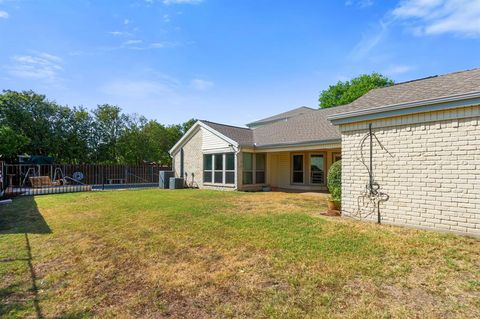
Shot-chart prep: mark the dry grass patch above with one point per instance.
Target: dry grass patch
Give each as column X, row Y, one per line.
column 204, row 254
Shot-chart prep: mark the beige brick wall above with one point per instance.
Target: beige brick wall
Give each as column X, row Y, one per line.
column 193, row 161
column 433, row 180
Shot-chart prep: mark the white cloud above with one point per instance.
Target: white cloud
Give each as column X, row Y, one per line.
column 370, row 41
column 126, row 21
column 359, row 3
column 136, row 88
column 201, row 85
column 118, row 33
column 168, row 2
column 41, row 66
column 423, row 17
column 398, row 69
column 432, row 17
column 164, row 44
column 3, row 14
column 132, row 42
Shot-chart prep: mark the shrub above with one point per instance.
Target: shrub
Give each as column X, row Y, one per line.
column 334, row 181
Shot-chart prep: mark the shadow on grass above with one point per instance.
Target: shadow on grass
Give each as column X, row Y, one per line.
column 22, row 217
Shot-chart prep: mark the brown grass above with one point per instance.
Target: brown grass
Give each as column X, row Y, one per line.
column 205, row 254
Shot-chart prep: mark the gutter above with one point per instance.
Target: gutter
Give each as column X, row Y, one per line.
column 308, row 143
column 447, row 102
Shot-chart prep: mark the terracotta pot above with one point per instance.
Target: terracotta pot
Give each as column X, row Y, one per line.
column 331, row 205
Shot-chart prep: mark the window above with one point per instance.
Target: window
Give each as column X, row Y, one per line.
column 219, row 168
column 336, row 157
column 253, row 168
column 207, row 168
column 259, row 168
column 297, row 172
column 229, row 168
column 247, row 168
column 218, row 171
column 317, row 169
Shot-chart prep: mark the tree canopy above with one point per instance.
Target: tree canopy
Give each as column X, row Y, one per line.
column 346, row 92
column 32, row 124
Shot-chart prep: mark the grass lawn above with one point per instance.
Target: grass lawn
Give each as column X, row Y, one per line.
column 204, row 254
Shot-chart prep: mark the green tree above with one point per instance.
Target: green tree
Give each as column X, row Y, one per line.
column 187, row 125
column 109, row 124
column 32, row 116
column 11, row 143
column 346, row 92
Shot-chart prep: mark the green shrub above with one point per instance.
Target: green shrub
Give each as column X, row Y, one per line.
column 334, row 181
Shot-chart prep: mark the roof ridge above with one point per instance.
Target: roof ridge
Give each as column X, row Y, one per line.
column 277, row 116
column 434, row 76
column 243, row 128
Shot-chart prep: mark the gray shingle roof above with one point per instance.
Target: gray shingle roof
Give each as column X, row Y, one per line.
column 422, row 89
column 241, row 135
column 282, row 116
column 303, row 126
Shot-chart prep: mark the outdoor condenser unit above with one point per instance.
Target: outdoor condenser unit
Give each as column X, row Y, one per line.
column 164, row 180
column 176, row 183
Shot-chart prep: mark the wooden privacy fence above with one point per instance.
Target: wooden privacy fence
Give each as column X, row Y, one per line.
column 60, row 178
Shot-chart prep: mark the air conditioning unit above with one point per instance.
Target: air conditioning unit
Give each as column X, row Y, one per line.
column 176, row 183
column 164, row 180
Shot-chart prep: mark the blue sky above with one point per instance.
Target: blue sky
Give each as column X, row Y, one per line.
column 228, row 61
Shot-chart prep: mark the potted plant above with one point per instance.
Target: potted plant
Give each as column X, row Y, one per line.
column 331, row 203
column 334, row 183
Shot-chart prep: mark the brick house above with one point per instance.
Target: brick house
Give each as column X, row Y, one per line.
column 425, row 146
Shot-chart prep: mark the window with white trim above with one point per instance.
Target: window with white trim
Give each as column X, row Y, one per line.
column 207, row 168
column 219, row 168
column 229, row 168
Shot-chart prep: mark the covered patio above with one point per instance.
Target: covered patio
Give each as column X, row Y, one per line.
column 302, row 169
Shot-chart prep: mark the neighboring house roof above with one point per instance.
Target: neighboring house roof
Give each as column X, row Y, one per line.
column 305, row 125
column 282, row 116
column 242, row 135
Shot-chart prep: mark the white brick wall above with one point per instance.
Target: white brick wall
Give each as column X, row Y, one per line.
column 433, row 180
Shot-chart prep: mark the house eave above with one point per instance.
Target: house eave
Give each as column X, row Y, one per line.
column 429, row 105
column 193, row 130
column 299, row 144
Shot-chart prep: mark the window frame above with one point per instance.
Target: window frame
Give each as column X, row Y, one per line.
column 335, row 156
column 224, row 170
column 253, row 171
column 324, row 168
column 264, row 170
column 208, row 170
column 297, row 171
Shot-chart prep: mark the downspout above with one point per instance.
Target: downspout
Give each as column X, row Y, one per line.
column 236, row 166
column 371, row 159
